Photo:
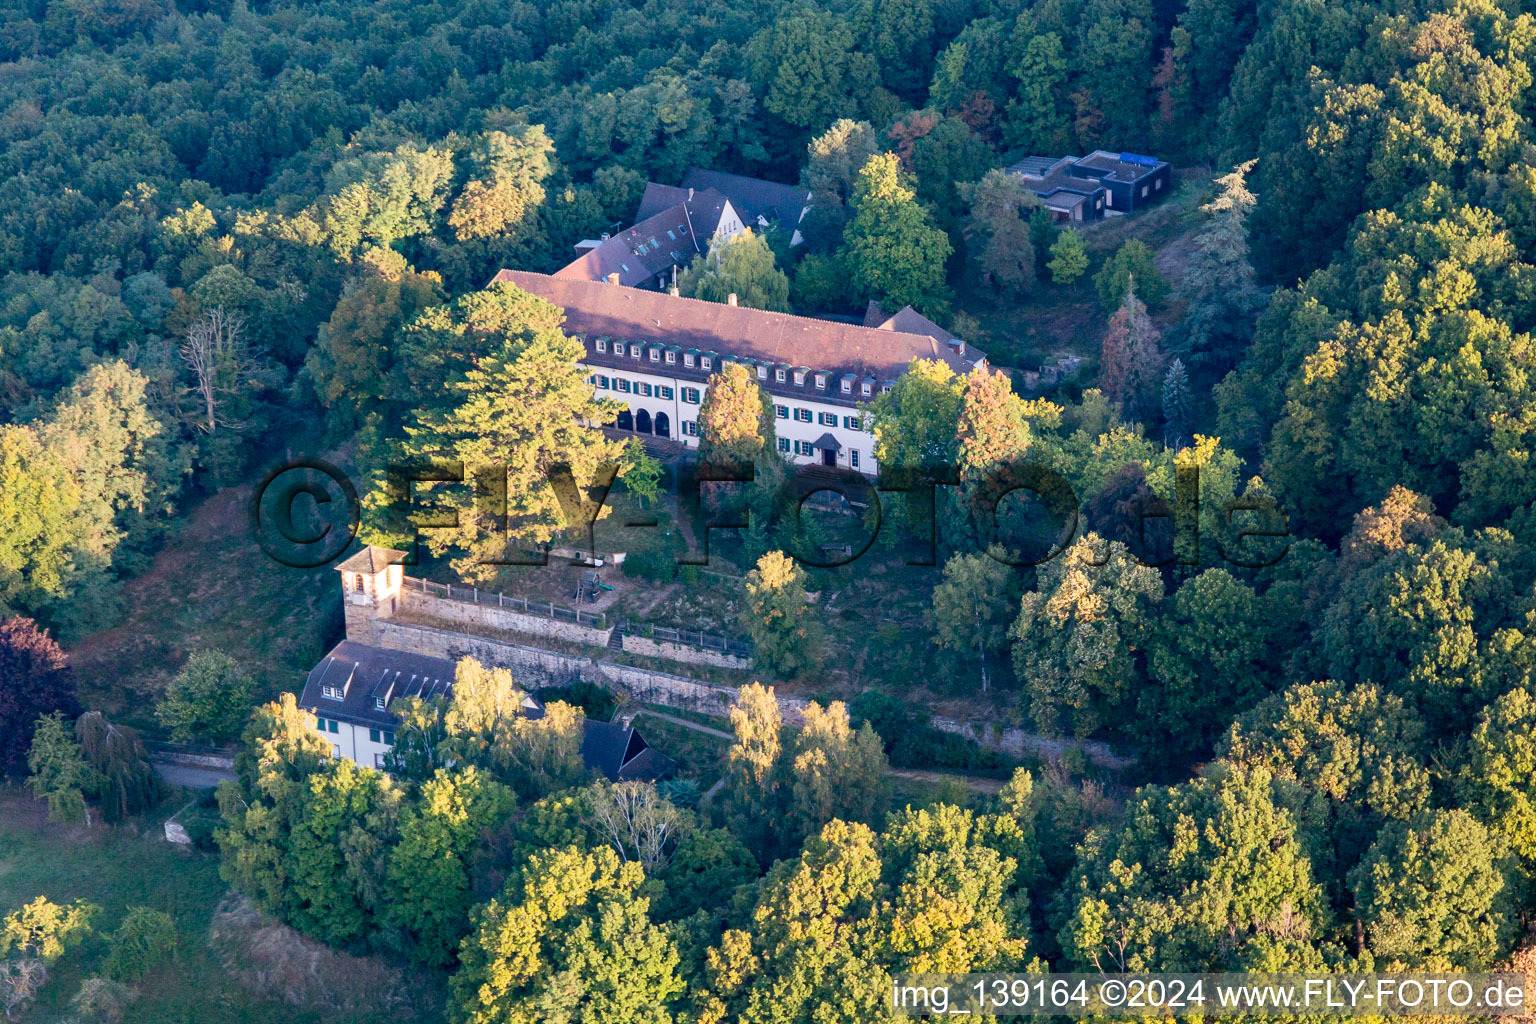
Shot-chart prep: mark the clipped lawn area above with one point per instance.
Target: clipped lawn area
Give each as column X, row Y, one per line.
column 116, row 868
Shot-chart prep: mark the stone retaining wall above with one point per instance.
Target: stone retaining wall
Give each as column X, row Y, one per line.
column 648, row 648
column 536, row 667
column 479, row 613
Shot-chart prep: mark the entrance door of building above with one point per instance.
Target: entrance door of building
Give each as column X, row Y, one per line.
column 828, row 457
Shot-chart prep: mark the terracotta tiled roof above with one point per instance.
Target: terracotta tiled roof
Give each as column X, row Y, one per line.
column 596, row 309
column 909, row 321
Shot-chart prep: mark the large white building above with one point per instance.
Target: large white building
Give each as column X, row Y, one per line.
column 655, row 352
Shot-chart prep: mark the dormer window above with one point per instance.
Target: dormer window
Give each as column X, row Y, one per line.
column 618, row 348
column 687, row 358
column 778, row 375
column 602, row 344
column 821, row 381
column 847, row 387
column 636, row 350
column 799, row 379
column 655, row 355
column 705, row 362
column 671, row 356
column 762, row 373
column 379, row 703
column 331, row 692
column 865, row 388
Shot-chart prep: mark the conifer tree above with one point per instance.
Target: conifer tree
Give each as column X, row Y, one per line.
column 1175, row 405
column 1131, row 267
column 1131, row 363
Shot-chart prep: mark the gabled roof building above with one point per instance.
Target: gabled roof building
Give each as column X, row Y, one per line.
column 760, row 203
column 673, row 224
column 353, row 690
column 656, row 352
column 645, row 256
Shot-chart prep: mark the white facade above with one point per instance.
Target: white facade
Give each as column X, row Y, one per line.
column 362, row 744
column 730, row 223
column 799, row 420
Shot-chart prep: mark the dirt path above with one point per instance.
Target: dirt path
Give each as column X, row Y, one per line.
column 980, row 785
column 687, row 724
column 972, row 782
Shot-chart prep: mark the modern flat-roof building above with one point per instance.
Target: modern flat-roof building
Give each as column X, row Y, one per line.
column 655, row 352
column 1097, row 185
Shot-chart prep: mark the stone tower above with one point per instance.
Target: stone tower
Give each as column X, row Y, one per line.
column 370, row 591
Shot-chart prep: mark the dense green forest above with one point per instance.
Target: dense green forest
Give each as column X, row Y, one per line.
column 227, row 226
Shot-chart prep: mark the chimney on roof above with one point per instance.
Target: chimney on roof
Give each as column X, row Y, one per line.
column 673, row 291
column 613, row 278
column 690, row 193
column 730, row 300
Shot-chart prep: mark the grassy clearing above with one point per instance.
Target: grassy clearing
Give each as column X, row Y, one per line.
column 1065, row 319
column 212, row 586
column 116, row 868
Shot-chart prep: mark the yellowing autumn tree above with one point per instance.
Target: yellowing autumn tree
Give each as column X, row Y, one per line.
column 786, row 636
column 835, row 771
column 736, row 418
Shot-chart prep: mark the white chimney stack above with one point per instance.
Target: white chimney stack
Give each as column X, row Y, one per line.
column 613, row 278
column 730, row 300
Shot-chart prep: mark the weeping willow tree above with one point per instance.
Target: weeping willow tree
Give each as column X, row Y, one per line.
column 127, row 782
